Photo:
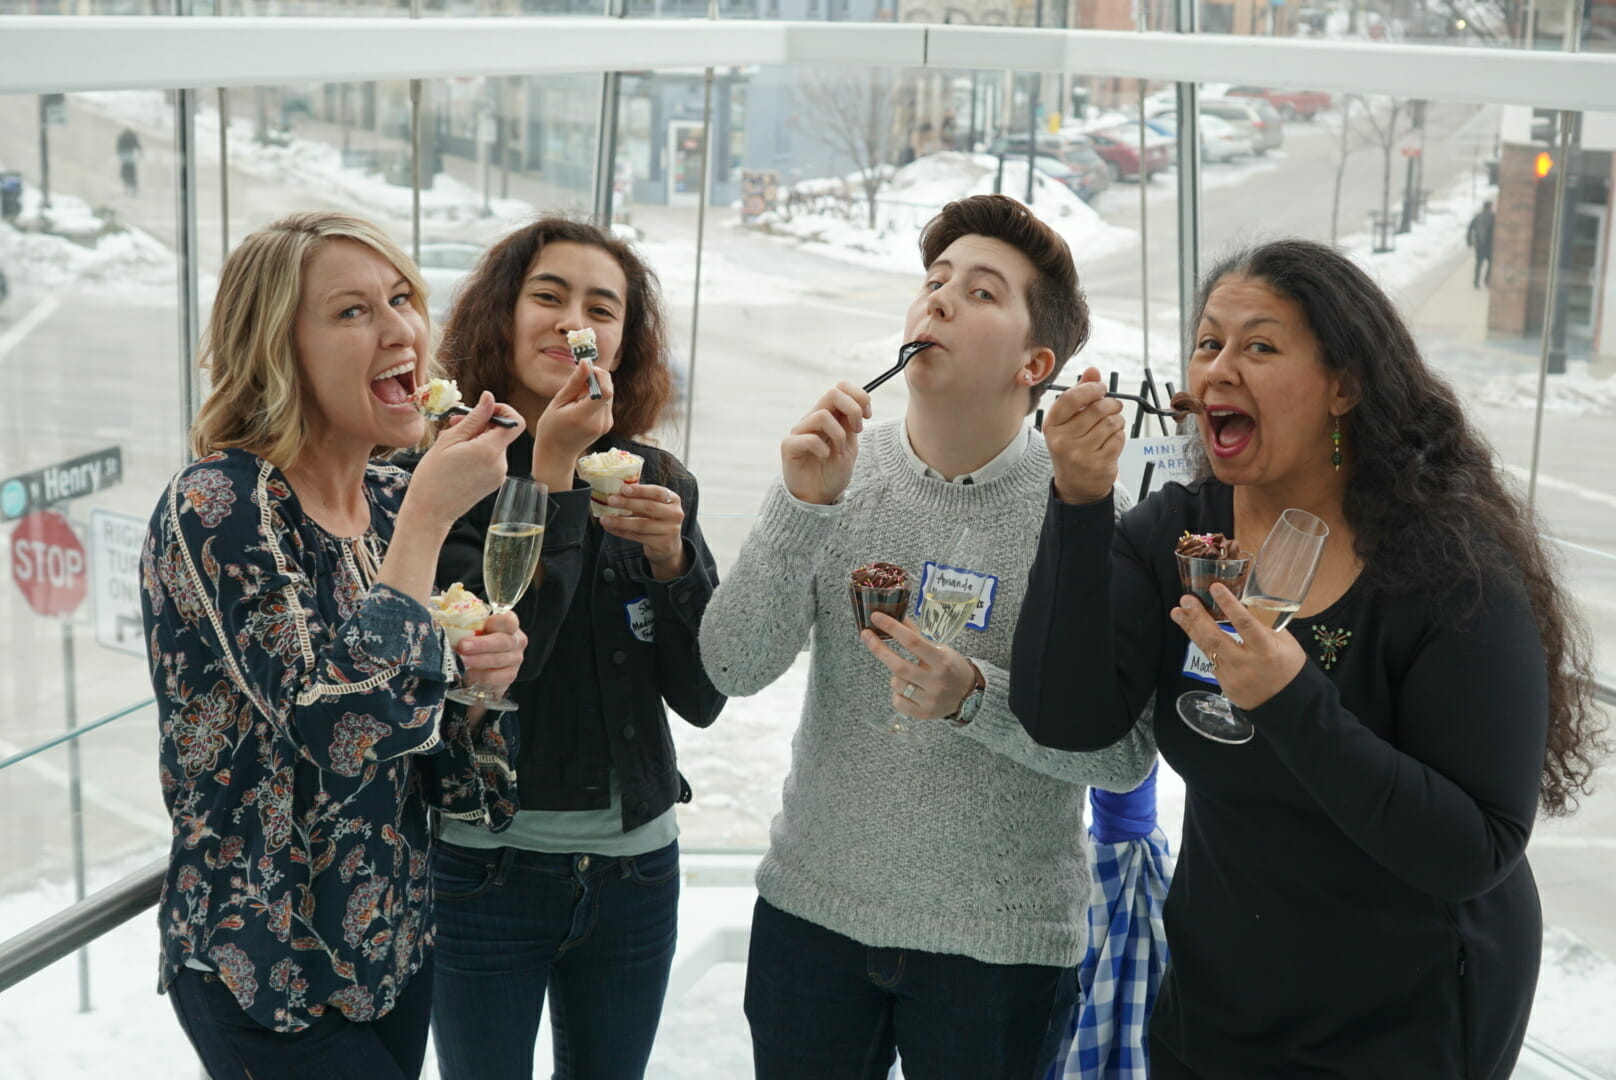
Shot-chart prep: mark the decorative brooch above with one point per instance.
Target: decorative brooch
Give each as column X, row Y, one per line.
column 1330, row 643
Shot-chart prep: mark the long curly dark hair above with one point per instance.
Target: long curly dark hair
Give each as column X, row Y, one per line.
column 476, row 345
column 1425, row 485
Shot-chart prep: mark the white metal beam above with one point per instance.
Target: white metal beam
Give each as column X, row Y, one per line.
column 42, row 53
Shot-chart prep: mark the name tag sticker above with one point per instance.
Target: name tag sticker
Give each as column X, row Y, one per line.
column 954, row 579
column 641, row 619
column 1198, row 666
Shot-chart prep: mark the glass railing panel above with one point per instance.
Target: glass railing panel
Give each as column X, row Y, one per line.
column 89, row 333
column 91, row 804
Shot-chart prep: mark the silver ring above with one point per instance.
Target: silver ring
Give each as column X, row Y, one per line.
column 909, row 691
column 669, row 499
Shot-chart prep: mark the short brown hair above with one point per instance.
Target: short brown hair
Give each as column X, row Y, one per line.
column 256, row 399
column 476, row 348
column 1060, row 312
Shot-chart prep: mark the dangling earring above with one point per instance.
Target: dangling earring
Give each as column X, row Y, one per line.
column 1335, row 445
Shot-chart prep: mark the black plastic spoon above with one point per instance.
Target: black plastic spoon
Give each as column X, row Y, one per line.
column 465, row 410
column 906, row 353
column 1055, row 388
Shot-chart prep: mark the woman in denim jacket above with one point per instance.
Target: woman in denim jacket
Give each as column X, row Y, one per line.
column 576, row 895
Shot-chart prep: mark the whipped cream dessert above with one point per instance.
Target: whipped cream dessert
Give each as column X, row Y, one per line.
column 459, row 613
column 582, row 344
column 437, row 397
column 606, row 473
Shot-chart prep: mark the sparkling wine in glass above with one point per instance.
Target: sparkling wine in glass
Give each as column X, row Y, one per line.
column 510, row 559
column 949, row 594
column 1275, row 588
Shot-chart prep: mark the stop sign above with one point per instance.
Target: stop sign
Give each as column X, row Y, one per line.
column 47, row 562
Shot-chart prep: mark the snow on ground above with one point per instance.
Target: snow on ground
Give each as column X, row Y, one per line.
column 1575, row 393
column 919, row 190
column 123, row 259
column 307, row 164
column 1429, row 245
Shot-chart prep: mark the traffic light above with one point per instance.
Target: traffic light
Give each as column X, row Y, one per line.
column 1543, row 164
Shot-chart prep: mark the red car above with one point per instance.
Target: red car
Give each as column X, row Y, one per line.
column 1292, row 104
column 1120, row 149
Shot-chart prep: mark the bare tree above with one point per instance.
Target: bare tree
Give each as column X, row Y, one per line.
column 1352, row 138
column 1386, row 119
column 853, row 112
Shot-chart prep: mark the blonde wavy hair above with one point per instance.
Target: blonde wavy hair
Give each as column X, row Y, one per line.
column 256, row 402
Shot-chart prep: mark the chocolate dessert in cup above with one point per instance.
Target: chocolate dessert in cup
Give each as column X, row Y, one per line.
column 879, row 586
column 1207, row 557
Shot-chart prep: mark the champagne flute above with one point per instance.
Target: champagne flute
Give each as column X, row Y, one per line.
column 1278, row 583
column 510, row 559
column 949, row 594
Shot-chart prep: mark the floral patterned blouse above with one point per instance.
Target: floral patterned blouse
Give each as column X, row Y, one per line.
column 303, row 734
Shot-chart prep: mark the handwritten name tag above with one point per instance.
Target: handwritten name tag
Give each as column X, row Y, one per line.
column 641, row 618
column 1198, row 666
column 955, row 579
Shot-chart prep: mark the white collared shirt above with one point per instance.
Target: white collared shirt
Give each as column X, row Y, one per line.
column 1003, row 463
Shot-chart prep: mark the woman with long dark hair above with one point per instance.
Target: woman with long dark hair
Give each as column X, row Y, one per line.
column 1352, row 897
column 574, row 892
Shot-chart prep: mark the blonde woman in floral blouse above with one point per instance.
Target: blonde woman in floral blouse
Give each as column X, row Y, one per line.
column 300, row 680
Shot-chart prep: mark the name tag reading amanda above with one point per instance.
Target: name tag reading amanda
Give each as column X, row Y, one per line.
column 1198, row 666
column 955, row 579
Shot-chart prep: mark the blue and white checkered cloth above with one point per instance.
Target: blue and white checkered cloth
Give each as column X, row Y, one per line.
column 1127, row 953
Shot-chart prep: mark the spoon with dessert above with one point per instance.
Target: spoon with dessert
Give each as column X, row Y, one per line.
column 441, row 397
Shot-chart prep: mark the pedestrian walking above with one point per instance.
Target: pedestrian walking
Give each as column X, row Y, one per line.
column 129, row 161
column 1479, row 238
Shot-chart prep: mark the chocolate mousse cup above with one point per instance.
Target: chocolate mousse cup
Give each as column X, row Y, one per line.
column 1196, row 575
column 884, row 587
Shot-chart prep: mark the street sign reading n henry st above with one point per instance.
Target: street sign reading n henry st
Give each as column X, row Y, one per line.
column 21, row 495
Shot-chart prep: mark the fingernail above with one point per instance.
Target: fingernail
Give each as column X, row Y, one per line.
column 1176, row 615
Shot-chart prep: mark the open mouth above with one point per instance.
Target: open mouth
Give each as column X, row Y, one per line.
column 1231, row 430
column 396, row 385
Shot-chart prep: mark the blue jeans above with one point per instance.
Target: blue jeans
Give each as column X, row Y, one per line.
column 234, row 1046
column 596, row 932
column 823, row 1006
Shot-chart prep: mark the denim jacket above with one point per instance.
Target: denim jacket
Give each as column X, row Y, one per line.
column 639, row 633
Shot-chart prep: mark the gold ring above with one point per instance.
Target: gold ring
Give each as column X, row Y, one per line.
column 1214, row 658
column 909, row 691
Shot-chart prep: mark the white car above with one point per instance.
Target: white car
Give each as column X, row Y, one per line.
column 444, row 265
column 1221, row 140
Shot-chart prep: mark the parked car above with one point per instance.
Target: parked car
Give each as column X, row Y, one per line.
column 444, row 264
column 1220, row 141
column 1119, row 146
column 1076, row 152
column 1291, row 104
column 1252, row 117
column 1057, row 170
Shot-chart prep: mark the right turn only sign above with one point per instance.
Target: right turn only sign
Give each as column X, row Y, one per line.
column 115, row 541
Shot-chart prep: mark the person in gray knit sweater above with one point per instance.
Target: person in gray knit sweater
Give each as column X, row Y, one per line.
column 926, row 893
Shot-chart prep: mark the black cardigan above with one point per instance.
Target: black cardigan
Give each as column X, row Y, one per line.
column 623, row 689
column 1352, row 897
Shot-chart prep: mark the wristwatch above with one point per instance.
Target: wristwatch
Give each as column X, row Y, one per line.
column 972, row 704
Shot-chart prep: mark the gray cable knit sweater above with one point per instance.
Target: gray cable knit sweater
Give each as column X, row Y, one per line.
column 958, row 840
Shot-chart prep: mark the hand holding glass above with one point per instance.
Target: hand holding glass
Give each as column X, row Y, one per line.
column 947, row 600
column 1278, row 582
column 510, row 559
